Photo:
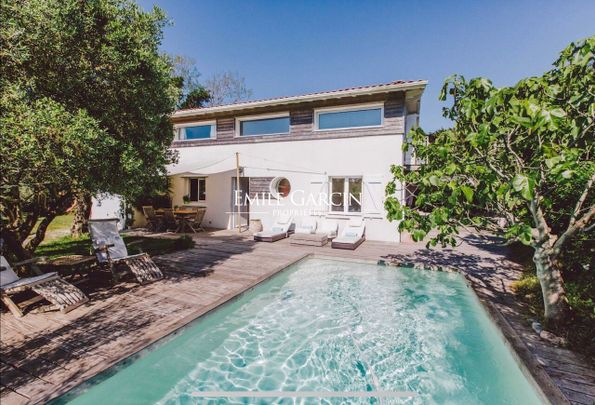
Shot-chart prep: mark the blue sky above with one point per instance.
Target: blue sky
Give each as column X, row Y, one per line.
column 291, row 48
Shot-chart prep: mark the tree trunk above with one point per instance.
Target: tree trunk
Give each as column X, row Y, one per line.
column 552, row 285
column 82, row 212
column 32, row 243
column 12, row 247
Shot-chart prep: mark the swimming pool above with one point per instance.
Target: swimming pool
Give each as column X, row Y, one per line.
column 326, row 325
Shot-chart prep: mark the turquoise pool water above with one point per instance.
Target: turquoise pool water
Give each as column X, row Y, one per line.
column 330, row 326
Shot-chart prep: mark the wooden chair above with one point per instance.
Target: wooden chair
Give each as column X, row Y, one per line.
column 61, row 294
column 169, row 220
column 111, row 251
column 154, row 223
column 195, row 223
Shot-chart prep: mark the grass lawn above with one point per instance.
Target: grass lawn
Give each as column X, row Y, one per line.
column 82, row 246
column 59, row 227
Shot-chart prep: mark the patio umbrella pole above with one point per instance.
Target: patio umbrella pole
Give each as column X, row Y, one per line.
column 238, row 191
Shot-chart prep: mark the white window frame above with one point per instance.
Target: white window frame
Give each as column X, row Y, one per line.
column 179, row 127
column 345, row 196
column 355, row 107
column 239, row 120
column 198, row 178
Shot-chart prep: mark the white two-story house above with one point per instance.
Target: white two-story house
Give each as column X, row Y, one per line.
column 322, row 155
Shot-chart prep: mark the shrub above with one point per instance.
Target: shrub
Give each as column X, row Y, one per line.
column 184, row 242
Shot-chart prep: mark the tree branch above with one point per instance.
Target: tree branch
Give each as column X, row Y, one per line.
column 539, row 219
column 574, row 225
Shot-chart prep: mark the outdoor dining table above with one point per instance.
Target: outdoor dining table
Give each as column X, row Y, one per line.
column 183, row 215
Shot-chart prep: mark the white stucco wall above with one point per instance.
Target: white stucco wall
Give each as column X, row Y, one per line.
column 307, row 165
column 107, row 206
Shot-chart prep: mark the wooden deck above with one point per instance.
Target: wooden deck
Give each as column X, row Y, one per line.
column 45, row 355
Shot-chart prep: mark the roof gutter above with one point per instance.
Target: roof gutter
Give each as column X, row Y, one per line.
column 421, row 84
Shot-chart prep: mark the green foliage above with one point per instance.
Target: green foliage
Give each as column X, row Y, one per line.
column 196, row 98
column 514, row 153
column 86, row 98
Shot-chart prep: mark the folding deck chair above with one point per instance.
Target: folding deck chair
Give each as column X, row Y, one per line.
column 154, row 223
column 111, row 252
column 61, row 294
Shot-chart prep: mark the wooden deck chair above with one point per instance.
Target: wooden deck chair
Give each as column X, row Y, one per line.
column 169, row 220
column 195, row 222
column 111, row 251
column 154, row 223
column 61, row 294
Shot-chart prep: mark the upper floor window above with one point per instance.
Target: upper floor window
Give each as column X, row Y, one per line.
column 270, row 125
column 198, row 131
column 349, row 117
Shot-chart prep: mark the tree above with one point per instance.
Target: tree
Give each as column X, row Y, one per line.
column 518, row 162
column 86, row 99
column 196, row 98
column 83, row 202
column 227, row 88
column 46, row 152
column 193, row 94
column 221, row 88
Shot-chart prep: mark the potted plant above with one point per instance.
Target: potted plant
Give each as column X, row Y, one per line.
column 186, row 199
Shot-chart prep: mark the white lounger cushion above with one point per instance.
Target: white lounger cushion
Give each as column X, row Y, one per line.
column 280, row 226
column 308, row 225
column 268, row 234
column 346, row 239
column 354, row 229
column 329, row 227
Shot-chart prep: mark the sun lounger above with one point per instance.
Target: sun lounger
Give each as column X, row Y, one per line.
column 305, row 234
column 61, row 294
column 279, row 230
column 329, row 227
column 352, row 236
column 111, row 251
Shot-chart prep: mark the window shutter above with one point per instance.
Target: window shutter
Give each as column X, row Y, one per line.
column 374, row 195
column 319, row 190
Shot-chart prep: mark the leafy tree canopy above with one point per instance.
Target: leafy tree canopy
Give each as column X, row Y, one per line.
column 86, row 99
column 518, row 162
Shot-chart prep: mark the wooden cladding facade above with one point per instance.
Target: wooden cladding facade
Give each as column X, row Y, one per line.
column 302, row 122
column 260, row 186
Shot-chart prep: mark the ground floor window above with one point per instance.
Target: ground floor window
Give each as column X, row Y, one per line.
column 346, row 194
column 197, row 189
